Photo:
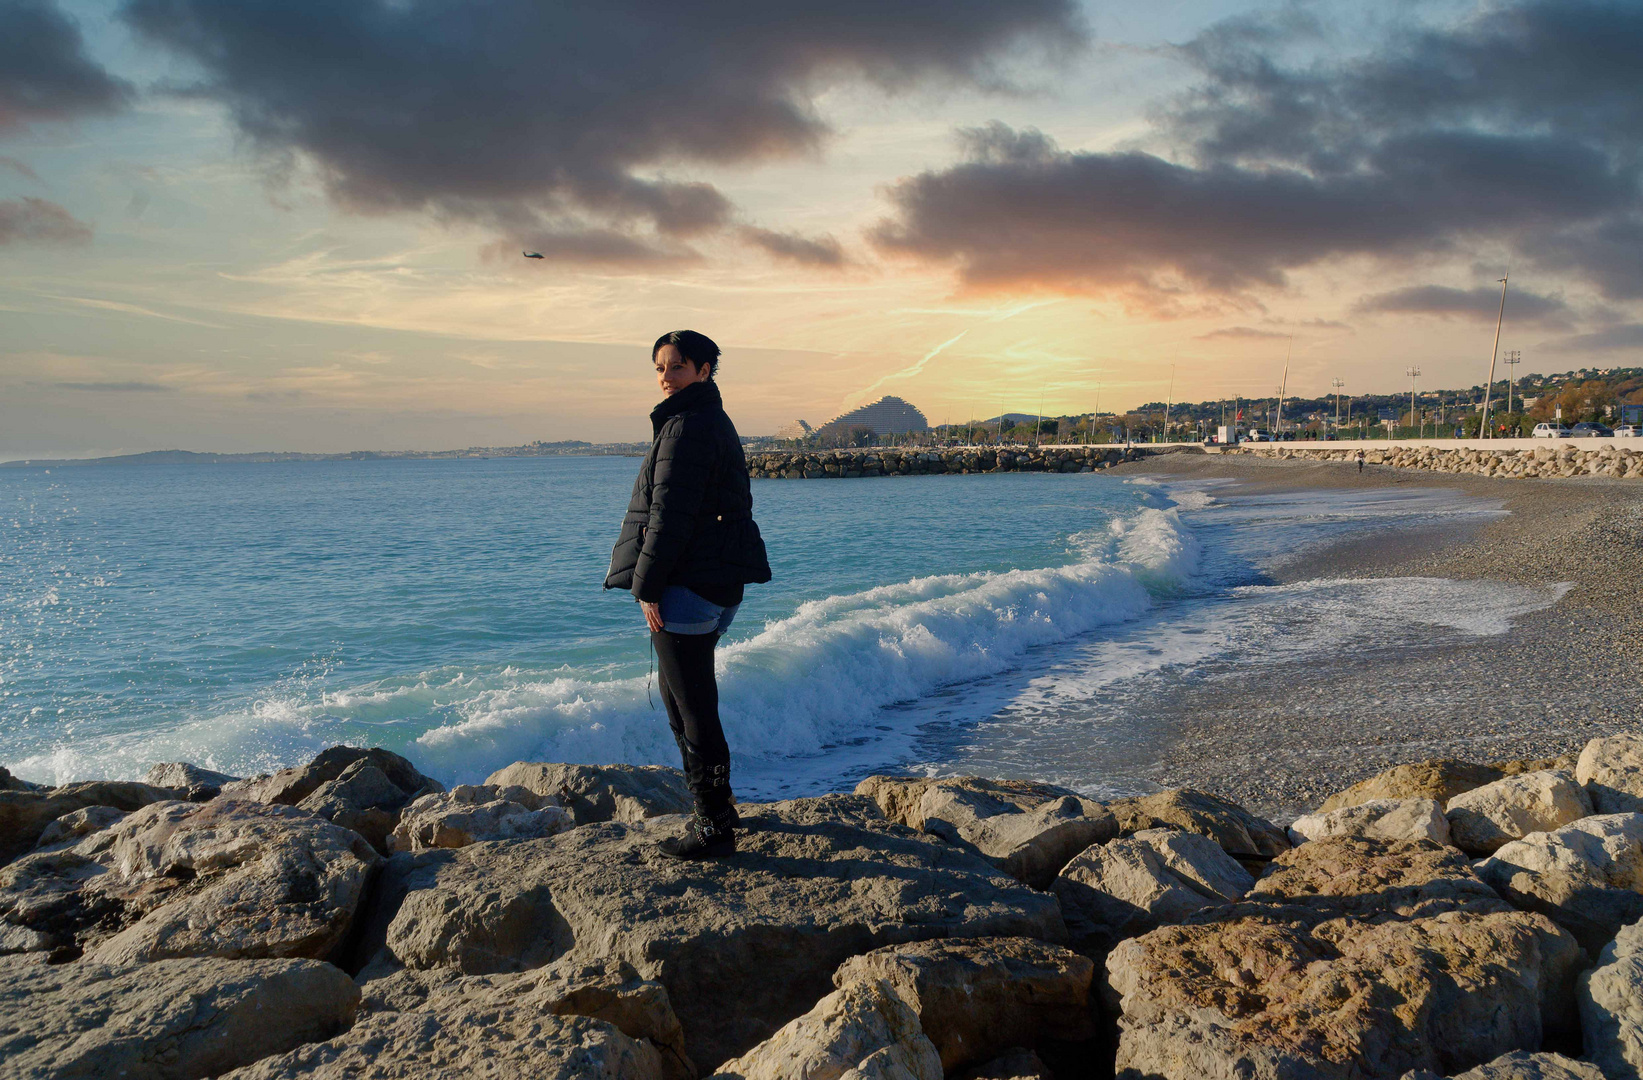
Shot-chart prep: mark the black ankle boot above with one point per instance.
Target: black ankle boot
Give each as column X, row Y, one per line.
column 708, row 836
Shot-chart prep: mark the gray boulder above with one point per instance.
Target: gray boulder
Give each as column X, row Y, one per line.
column 176, row 879
column 69, row 828
column 1612, row 770
column 977, row 997
column 1251, row 839
column 1522, row 1065
column 1128, row 886
column 1380, row 819
column 169, row 1020
column 1611, row 1006
column 8, row 782
column 743, row 945
column 1028, row 830
column 289, row 787
column 1352, row 959
column 863, row 1031
column 595, row 793
column 24, row 814
column 1486, row 818
column 469, row 814
column 195, row 783
column 1586, row 876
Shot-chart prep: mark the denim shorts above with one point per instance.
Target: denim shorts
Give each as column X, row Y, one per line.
column 683, row 612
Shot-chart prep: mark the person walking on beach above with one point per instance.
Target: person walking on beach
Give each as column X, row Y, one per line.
column 1359, row 457
column 687, row 547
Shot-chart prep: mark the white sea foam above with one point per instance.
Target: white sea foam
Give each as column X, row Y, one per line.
column 814, row 678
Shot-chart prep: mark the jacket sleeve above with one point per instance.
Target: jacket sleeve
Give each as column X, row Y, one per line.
column 679, row 484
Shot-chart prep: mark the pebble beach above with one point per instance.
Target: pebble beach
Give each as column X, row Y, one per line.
column 1279, row 742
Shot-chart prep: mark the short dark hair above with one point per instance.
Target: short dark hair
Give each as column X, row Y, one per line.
column 699, row 349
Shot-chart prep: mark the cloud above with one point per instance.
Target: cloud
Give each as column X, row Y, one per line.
column 1481, row 303
column 569, row 120
column 44, row 72
column 1516, row 127
column 20, row 167
column 821, row 252
column 36, row 221
column 1241, row 333
column 117, row 387
column 1623, row 336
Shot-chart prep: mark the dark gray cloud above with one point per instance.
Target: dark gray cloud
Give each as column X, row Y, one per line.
column 1518, row 128
column 1624, row 336
column 44, row 71
column 1241, row 333
column 116, row 387
column 1481, row 303
column 37, row 221
column 563, row 120
column 822, row 251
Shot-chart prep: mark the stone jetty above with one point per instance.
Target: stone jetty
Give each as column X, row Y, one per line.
column 1515, row 458
column 352, row 918
column 878, row 461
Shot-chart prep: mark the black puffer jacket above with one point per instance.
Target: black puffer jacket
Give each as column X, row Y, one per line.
column 690, row 521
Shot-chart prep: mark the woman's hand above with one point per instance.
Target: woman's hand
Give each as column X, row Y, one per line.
column 653, row 615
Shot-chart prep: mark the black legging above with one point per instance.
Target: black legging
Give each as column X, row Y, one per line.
column 690, row 694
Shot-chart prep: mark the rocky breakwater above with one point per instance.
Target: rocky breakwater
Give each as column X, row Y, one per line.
column 1441, row 919
column 1512, row 458
column 850, row 464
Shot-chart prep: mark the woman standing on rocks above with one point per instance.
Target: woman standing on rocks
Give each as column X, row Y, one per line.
column 687, row 546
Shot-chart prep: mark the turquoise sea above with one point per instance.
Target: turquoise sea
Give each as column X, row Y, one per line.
column 245, row 616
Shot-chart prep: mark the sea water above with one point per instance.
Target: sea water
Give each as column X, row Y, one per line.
column 244, row 617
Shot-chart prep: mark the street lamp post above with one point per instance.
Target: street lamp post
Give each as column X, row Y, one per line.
column 1413, row 373
column 1488, row 387
column 1337, row 384
column 1511, row 360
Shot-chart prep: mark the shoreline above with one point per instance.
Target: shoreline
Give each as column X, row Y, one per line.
column 1279, row 741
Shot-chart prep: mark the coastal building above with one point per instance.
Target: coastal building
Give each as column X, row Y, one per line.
column 795, row 429
column 886, row 416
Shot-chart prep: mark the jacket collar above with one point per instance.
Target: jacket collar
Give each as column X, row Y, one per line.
column 702, row 395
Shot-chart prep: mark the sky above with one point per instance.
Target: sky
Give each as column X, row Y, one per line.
column 299, row 224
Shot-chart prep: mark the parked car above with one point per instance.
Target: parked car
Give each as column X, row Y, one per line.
column 1628, row 431
column 1591, row 431
column 1260, row 435
column 1549, row 431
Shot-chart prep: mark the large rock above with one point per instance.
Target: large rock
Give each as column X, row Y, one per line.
column 1586, row 876
column 464, row 1040
column 595, row 793
column 195, row 783
column 978, row 997
column 1487, row 817
column 863, row 1031
column 169, row 1020
column 365, row 799
column 69, row 828
column 1128, row 886
column 1611, row 1006
column 1017, row 1064
column 743, row 944
column 1612, row 770
column 1520, row 1065
column 8, row 782
column 289, row 787
column 1380, row 819
column 1028, row 830
column 1440, row 779
column 469, row 814
column 1352, row 959
column 25, row 814
column 175, row 879
column 1241, row 834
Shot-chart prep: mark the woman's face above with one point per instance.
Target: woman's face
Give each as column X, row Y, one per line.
column 674, row 372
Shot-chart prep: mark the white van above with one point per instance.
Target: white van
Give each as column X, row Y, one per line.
column 1549, row 431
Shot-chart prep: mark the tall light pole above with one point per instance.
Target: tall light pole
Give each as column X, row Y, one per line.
column 1511, row 360
column 1413, row 373
column 1337, row 384
column 1483, row 428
